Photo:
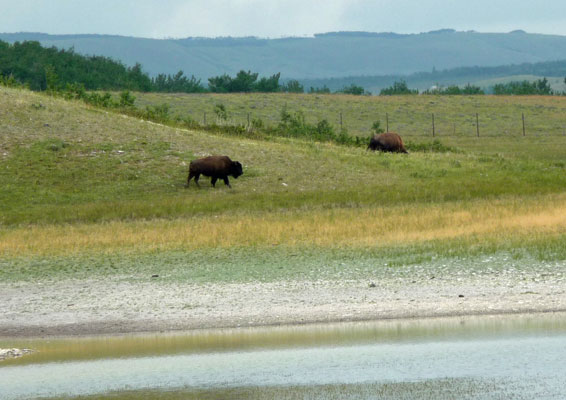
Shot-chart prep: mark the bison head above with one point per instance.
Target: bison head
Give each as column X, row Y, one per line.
column 236, row 169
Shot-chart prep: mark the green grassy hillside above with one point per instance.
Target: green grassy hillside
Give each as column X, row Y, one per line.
column 90, row 190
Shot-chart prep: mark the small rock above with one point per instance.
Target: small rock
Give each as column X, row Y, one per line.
column 13, row 353
column 460, row 295
column 284, row 184
column 155, row 276
column 371, row 284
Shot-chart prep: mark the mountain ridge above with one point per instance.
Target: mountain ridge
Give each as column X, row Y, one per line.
column 325, row 55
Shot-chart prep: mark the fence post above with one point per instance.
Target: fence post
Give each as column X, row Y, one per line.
column 205, row 118
column 433, row 132
column 478, row 124
column 341, row 130
column 248, row 120
column 523, row 116
column 386, row 122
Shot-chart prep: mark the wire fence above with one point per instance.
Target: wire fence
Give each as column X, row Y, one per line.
column 418, row 116
column 407, row 123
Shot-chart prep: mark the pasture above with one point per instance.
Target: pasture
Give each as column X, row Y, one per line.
column 410, row 116
column 88, row 192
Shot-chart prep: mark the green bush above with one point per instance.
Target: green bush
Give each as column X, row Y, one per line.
column 376, row 127
column 398, row 88
column 353, row 89
column 221, row 113
column 126, row 99
column 430, row 147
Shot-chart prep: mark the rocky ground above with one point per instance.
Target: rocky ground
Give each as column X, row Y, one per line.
column 121, row 305
column 13, row 353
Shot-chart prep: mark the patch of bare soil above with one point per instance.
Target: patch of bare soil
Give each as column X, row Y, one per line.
column 87, row 307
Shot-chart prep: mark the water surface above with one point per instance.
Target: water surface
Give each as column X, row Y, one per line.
column 474, row 357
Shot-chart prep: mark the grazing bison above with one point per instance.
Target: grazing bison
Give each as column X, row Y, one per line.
column 217, row 167
column 389, row 141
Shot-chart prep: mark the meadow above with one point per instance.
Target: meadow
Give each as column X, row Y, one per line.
column 410, row 116
column 92, row 192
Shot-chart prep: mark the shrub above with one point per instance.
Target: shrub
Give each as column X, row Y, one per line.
column 398, row 88
column 10, row 81
column 158, row 113
column 376, row 127
column 126, row 99
column 353, row 89
column 221, row 113
column 431, row 147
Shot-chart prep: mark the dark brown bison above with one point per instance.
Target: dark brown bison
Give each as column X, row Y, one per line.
column 389, row 141
column 217, row 167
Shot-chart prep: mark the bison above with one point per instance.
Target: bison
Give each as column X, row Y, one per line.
column 217, row 167
column 388, row 142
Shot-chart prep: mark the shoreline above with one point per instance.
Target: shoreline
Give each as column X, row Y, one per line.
column 122, row 306
column 111, row 329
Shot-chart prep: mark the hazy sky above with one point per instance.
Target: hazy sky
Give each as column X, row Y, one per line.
column 277, row 18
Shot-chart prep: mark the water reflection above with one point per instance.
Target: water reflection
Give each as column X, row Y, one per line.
column 205, row 341
column 480, row 357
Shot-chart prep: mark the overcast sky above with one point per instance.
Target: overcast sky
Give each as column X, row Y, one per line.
column 277, row 18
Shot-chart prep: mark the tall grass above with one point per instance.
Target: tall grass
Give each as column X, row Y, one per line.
column 496, row 221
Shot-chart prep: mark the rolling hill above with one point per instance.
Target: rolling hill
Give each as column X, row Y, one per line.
column 328, row 55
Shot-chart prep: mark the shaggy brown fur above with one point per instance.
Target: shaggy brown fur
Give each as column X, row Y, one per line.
column 389, row 141
column 217, row 167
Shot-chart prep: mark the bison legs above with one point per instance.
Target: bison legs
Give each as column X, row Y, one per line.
column 224, row 178
column 191, row 176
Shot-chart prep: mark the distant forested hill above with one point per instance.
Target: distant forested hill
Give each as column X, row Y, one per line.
column 485, row 77
column 41, row 68
column 329, row 55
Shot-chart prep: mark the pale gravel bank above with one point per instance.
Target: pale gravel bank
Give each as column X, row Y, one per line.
column 124, row 305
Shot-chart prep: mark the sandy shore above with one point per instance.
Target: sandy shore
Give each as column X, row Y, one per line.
column 123, row 305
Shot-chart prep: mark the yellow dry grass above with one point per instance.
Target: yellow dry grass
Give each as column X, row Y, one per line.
column 497, row 220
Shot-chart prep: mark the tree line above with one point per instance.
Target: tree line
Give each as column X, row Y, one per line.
column 33, row 65
column 41, row 68
column 537, row 87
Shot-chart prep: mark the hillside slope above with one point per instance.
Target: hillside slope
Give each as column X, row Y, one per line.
column 323, row 56
column 98, row 233
column 63, row 161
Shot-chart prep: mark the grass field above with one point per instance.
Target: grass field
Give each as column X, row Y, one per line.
column 410, row 116
column 88, row 192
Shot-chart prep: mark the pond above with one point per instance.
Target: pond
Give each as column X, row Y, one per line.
column 488, row 357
